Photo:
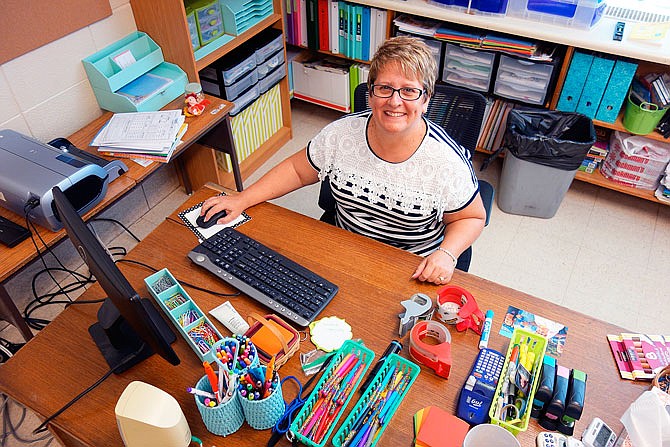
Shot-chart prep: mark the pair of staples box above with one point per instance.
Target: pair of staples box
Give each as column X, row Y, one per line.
column 131, row 75
column 248, row 71
column 596, row 86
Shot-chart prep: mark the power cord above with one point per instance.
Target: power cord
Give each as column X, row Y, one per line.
column 129, row 358
column 10, row 428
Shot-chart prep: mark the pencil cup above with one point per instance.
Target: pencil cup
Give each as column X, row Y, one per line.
column 223, row 419
column 238, row 353
column 263, row 414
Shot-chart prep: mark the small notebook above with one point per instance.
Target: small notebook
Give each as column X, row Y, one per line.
column 189, row 216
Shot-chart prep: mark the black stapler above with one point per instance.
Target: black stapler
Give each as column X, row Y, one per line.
column 114, row 168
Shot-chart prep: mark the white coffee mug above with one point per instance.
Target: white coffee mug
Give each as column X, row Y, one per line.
column 488, row 435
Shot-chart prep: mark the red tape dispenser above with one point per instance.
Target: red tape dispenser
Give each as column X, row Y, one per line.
column 455, row 305
column 435, row 356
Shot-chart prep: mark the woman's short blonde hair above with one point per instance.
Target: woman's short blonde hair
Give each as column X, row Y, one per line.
column 413, row 57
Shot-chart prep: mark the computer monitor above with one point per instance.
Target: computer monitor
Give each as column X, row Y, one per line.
column 127, row 324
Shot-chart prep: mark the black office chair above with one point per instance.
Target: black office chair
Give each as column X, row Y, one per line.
column 460, row 112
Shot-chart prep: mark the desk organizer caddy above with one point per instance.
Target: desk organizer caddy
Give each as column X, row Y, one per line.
column 538, row 345
column 411, row 370
column 184, row 314
column 348, row 347
column 208, row 19
column 107, row 77
column 240, row 15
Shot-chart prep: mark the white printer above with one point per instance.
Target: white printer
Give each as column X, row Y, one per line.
column 29, row 169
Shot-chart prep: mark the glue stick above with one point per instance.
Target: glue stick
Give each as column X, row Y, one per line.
column 486, row 330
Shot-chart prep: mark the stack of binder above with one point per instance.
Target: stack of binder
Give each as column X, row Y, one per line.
column 142, row 135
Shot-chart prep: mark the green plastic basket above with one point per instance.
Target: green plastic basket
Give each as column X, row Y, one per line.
column 538, row 345
column 360, row 411
column 348, row 347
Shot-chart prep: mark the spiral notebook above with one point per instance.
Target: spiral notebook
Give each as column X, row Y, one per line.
column 189, row 216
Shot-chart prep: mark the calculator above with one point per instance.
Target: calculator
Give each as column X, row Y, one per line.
column 480, row 386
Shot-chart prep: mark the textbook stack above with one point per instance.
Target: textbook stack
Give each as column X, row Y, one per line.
column 151, row 136
column 597, row 153
column 339, row 27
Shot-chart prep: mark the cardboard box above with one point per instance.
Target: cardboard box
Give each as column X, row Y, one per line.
column 323, row 81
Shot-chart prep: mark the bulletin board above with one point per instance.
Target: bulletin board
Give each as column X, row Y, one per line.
column 29, row 24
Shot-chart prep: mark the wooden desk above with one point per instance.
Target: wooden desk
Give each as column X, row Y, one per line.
column 373, row 279
column 195, row 167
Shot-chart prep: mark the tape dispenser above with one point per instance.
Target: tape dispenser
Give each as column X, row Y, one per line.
column 455, row 305
column 418, row 307
column 435, row 355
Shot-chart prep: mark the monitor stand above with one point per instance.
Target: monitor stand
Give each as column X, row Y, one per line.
column 117, row 340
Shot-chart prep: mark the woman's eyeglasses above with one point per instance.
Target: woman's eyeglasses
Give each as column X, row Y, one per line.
column 405, row 93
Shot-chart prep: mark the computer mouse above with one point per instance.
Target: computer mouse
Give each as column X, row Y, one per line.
column 212, row 220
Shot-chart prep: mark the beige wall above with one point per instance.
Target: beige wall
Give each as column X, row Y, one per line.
column 45, row 93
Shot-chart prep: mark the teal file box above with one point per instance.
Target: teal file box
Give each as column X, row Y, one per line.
column 595, row 85
column 240, row 15
column 116, row 87
column 615, row 92
column 574, row 81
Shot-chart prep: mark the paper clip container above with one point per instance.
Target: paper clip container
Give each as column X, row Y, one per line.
column 263, row 414
column 536, row 344
column 362, row 407
column 223, row 419
column 185, row 315
column 348, row 347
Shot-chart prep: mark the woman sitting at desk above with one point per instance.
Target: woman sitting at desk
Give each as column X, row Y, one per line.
column 396, row 177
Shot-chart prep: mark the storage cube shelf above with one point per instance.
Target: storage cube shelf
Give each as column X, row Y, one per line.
column 107, row 77
column 191, row 322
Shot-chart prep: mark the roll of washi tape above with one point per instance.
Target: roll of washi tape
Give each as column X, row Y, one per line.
column 436, row 356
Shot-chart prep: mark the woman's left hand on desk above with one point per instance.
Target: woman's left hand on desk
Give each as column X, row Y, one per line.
column 437, row 268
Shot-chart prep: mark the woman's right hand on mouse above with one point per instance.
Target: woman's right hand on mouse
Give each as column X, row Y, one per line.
column 233, row 205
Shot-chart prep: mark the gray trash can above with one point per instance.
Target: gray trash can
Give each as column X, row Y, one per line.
column 544, row 151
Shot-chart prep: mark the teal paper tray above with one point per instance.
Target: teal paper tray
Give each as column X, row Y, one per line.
column 186, row 316
column 360, row 412
column 348, row 347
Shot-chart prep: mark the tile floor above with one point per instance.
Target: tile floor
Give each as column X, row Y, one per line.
column 603, row 253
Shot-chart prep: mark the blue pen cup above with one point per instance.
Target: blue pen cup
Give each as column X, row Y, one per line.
column 263, row 414
column 225, row 418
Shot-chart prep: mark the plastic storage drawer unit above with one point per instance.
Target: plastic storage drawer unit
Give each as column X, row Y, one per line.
column 572, row 13
column 497, row 7
column 267, row 43
column 245, row 99
column 271, row 79
column 230, row 68
column 468, row 68
column 265, row 67
column 523, row 80
column 232, row 91
column 209, row 20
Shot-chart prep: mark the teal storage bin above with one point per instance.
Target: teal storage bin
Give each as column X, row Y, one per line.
column 165, row 82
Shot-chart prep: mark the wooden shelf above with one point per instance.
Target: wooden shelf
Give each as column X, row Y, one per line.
column 596, row 178
column 618, row 125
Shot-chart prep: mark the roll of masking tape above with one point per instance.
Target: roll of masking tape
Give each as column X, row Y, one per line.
column 437, row 354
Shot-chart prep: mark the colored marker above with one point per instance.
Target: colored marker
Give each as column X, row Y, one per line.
column 486, row 330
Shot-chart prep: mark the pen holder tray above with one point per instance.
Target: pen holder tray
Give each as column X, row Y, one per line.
column 348, row 347
column 190, row 321
column 391, row 365
column 225, row 418
column 538, row 345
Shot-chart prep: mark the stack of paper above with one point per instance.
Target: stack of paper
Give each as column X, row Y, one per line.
column 142, row 135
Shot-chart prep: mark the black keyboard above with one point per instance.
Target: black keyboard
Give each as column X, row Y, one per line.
column 270, row 278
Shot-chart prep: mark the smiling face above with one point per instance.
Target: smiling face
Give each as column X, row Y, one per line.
column 395, row 115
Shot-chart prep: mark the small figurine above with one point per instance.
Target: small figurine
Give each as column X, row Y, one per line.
column 195, row 104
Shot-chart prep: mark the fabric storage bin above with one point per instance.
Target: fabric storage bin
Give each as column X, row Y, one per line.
column 573, row 13
column 523, row 80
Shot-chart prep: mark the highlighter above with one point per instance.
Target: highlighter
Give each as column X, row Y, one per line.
column 486, row 330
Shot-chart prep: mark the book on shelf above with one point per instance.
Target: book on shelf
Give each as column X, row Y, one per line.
column 639, row 356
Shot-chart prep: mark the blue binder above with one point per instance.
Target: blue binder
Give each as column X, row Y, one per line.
column 595, row 85
column 615, row 92
column 574, row 81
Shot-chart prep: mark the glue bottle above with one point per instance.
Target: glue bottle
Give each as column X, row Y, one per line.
column 486, row 330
